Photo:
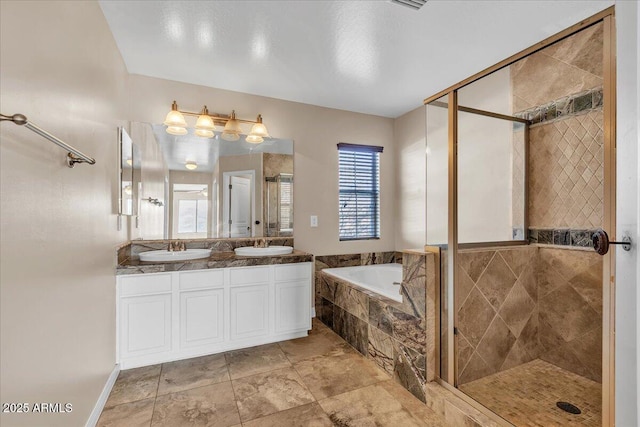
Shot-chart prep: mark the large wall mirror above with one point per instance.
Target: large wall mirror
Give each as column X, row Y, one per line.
column 193, row 187
column 129, row 157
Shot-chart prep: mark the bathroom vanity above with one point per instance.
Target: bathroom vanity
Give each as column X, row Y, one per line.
column 218, row 306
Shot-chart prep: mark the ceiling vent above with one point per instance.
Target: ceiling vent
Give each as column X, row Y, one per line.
column 413, row 4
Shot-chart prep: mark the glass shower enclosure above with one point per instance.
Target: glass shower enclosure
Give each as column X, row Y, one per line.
column 520, row 173
column 279, row 205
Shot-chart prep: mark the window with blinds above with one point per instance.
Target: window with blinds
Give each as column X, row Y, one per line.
column 359, row 178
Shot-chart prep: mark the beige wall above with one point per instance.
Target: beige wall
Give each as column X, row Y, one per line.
column 315, row 131
column 61, row 68
column 410, row 207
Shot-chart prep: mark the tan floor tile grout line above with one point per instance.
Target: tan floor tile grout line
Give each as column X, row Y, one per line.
column 155, row 398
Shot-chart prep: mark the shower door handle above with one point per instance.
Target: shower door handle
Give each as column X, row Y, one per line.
column 601, row 242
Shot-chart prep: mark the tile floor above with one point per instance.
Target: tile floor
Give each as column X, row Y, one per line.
column 314, row 381
column 527, row 394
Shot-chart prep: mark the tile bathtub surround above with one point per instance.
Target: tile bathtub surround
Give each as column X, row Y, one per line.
column 318, row 380
column 399, row 337
column 352, row 260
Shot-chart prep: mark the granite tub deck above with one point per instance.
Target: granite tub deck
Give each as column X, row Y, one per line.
column 398, row 337
column 222, row 256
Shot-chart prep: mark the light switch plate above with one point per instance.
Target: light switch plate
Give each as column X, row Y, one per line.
column 314, row 220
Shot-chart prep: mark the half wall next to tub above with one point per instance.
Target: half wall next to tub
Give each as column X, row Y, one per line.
column 399, row 337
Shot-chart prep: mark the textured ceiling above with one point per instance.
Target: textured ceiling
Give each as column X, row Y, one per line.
column 372, row 57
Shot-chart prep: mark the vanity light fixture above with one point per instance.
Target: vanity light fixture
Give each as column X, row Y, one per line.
column 175, row 122
column 205, row 125
column 232, row 129
column 258, row 132
column 191, row 165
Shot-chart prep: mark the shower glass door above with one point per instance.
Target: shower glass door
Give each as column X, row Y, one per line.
column 525, row 325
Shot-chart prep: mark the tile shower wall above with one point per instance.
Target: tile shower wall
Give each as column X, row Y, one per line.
column 399, row 337
column 570, row 304
column 496, row 300
column 533, row 302
column 566, row 172
column 559, row 89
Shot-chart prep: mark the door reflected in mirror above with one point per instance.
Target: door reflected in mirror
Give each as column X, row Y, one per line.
column 213, row 188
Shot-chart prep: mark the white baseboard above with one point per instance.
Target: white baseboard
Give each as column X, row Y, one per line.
column 102, row 399
column 313, row 312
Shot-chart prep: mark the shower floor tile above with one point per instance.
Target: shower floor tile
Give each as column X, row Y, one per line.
column 527, row 394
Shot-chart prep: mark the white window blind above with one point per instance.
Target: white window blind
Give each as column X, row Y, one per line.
column 359, row 211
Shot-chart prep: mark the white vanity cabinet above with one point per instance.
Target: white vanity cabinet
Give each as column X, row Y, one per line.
column 145, row 316
column 170, row 316
column 201, row 308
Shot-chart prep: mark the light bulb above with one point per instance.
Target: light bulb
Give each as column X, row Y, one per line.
column 205, row 122
column 203, row 133
column 259, row 128
column 232, row 129
column 175, row 117
column 176, row 130
column 191, row 165
column 254, row 139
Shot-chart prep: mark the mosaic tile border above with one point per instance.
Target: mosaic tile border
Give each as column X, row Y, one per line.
column 561, row 237
column 571, row 105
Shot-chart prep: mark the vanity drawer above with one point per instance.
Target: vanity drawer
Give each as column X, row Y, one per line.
column 144, row 284
column 201, row 279
column 248, row 275
column 289, row 272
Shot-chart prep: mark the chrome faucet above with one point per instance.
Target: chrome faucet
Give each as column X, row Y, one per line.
column 176, row 246
column 261, row 243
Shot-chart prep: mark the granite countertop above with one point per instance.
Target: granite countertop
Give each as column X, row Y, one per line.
column 216, row 260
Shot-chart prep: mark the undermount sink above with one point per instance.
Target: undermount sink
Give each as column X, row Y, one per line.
column 167, row 256
column 270, row 251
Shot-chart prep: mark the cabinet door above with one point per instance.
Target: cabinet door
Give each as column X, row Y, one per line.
column 249, row 311
column 201, row 317
column 292, row 306
column 145, row 323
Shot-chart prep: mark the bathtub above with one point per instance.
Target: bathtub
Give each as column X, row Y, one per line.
column 378, row 278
